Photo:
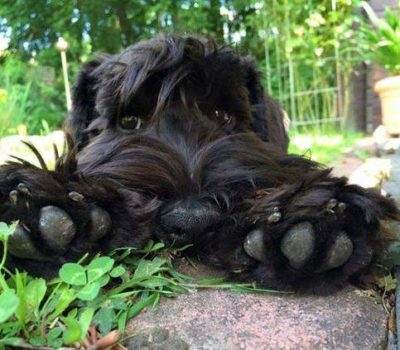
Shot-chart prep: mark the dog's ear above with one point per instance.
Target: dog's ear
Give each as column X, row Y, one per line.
column 84, row 101
column 270, row 122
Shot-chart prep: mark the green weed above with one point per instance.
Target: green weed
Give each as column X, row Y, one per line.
column 106, row 291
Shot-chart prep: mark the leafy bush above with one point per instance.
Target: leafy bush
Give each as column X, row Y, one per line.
column 383, row 38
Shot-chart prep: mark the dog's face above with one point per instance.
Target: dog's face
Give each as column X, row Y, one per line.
column 133, row 91
column 180, row 121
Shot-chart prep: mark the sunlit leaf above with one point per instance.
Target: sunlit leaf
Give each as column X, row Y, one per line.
column 149, row 267
column 98, row 267
column 8, row 304
column 72, row 332
column 90, row 291
column 104, row 319
column 117, row 271
column 73, row 274
column 35, row 292
column 85, row 320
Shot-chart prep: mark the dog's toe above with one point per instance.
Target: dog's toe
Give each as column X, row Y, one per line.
column 298, row 244
column 21, row 245
column 339, row 252
column 57, row 227
column 100, row 223
column 254, row 245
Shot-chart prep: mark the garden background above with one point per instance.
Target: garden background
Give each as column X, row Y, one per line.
column 311, row 53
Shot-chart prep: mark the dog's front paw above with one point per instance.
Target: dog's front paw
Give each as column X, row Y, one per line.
column 54, row 224
column 318, row 238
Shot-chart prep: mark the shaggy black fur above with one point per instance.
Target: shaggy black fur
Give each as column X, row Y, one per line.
column 175, row 139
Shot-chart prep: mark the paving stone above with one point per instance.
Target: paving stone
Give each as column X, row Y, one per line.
column 217, row 319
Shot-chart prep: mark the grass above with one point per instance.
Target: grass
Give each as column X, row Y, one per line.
column 324, row 148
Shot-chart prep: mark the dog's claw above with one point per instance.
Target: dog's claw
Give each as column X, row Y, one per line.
column 13, row 195
column 57, row 227
column 254, row 245
column 335, row 207
column 298, row 244
column 100, row 223
column 23, row 189
column 76, row 196
column 339, row 253
column 274, row 218
column 332, row 203
column 20, row 245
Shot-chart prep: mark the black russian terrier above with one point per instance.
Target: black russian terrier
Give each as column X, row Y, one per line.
column 174, row 140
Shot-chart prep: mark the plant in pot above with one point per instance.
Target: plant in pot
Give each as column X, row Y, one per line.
column 383, row 42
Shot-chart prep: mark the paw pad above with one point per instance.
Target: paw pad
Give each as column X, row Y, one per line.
column 339, row 253
column 56, row 227
column 254, row 245
column 21, row 245
column 298, row 244
column 100, row 223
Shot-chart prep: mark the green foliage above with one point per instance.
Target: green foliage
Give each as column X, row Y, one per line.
column 383, row 38
column 106, row 292
column 302, row 46
column 104, row 26
column 305, row 47
column 27, row 100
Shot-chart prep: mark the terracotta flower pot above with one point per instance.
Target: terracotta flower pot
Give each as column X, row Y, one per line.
column 389, row 93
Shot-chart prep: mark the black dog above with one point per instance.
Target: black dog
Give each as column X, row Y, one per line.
column 174, row 140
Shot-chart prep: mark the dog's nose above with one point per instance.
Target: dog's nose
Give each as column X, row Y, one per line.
column 189, row 218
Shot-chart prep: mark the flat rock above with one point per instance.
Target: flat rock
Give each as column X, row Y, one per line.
column 372, row 173
column 217, row 319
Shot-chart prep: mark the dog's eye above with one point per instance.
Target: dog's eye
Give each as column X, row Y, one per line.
column 225, row 117
column 131, row 122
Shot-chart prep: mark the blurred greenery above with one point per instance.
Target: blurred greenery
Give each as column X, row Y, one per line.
column 383, row 38
column 327, row 148
column 28, row 102
column 302, row 46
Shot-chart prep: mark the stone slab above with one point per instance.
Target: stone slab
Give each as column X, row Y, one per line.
column 217, row 319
